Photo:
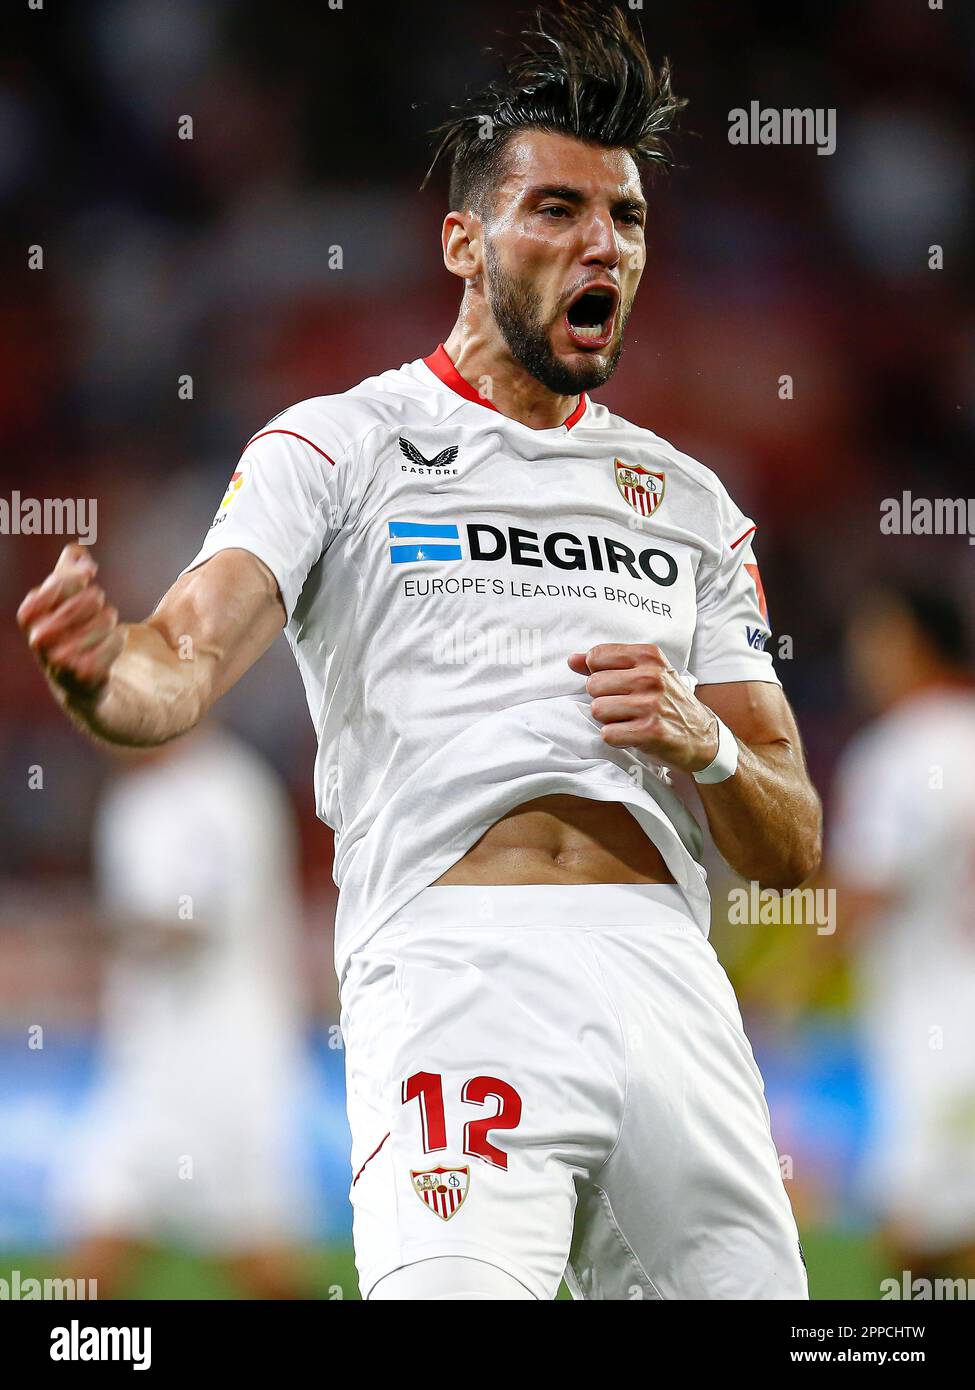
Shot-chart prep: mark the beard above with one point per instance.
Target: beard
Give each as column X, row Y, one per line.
column 516, row 307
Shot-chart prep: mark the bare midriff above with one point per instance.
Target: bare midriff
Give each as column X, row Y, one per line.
column 562, row 839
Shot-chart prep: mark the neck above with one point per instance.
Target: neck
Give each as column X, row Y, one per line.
column 485, row 362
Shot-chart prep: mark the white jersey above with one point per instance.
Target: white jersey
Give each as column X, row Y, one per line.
column 438, row 564
column 904, row 825
column 200, row 844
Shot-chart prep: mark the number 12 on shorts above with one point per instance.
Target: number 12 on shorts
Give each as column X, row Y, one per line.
column 427, row 1088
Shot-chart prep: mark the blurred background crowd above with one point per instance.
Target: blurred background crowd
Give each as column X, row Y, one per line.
column 214, row 258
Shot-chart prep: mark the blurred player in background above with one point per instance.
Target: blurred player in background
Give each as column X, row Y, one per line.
column 188, row 1138
column 902, row 857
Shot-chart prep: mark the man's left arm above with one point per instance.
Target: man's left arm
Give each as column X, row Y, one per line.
column 766, row 819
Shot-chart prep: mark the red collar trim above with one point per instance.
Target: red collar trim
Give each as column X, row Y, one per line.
column 442, row 367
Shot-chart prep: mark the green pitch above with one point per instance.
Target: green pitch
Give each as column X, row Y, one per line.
column 841, row 1265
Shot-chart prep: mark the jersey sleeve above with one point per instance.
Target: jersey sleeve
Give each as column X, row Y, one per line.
column 732, row 626
column 283, row 502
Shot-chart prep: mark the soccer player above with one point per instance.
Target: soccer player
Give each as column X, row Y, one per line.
column 187, row 1137
column 513, row 611
column 902, row 856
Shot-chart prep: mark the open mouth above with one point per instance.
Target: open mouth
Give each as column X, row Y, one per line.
column 591, row 318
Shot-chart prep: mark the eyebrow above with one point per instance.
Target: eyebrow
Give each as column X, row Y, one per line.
column 576, row 196
column 555, row 190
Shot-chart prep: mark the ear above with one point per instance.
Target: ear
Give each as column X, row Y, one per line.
column 462, row 238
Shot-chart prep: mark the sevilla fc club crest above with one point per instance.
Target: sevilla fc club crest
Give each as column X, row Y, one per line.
column 642, row 488
column 442, row 1189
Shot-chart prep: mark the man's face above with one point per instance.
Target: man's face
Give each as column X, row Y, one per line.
column 564, row 251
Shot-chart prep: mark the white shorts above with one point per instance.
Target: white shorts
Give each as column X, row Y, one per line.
column 555, row 1080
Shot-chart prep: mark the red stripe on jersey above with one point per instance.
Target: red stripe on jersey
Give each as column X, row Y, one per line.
column 577, row 414
column 378, row 1146
column 264, row 433
column 735, row 544
column 440, row 364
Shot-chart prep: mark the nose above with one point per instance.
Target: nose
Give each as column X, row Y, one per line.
column 602, row 245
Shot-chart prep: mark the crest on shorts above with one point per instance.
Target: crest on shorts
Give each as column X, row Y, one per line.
column 641, row 487
column 442, row 1189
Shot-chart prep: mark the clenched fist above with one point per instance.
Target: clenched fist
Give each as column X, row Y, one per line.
column 69, row 626
column 642, row 703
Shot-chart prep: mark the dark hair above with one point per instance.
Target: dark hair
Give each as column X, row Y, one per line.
column 581, row 71
column 937, row 615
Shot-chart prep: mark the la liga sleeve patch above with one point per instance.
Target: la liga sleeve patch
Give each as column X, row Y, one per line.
column 237, row 480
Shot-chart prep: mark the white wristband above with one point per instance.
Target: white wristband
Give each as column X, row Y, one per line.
column 725, row 762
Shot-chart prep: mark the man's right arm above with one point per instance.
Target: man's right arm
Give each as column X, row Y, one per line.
column 140, row 684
